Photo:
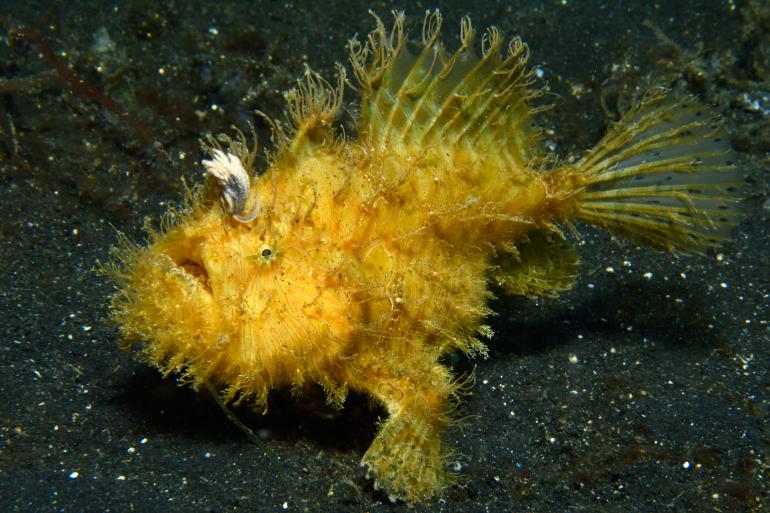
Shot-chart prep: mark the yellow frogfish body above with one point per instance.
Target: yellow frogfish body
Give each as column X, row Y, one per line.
column 357, row 263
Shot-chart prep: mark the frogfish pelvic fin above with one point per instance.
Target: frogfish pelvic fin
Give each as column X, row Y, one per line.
column 356, row 263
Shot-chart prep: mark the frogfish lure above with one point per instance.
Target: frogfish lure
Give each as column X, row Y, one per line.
column 355, row 263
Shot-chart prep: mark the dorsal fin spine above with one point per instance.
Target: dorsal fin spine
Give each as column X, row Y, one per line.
column 420, row 90
column 426, row 95
column 490, row 49
column 466, row 39
column 497, row 99
column 382, row 47
column 430, row 31
column 430, row 43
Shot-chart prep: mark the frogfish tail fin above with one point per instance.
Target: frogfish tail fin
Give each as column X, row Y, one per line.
column 663, row 175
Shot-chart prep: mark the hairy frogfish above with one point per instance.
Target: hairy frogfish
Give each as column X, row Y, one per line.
column 356, row 263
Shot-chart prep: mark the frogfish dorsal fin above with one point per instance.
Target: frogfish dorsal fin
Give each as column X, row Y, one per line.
column 311, row 106
column 414, row 101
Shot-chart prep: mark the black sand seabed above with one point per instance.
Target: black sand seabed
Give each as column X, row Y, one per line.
column 643, row 389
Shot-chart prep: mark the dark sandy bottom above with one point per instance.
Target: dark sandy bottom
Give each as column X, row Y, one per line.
column 643, row 389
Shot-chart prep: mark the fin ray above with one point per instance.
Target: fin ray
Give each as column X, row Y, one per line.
column 411, row 102
column 542, row 265
column 664, row 175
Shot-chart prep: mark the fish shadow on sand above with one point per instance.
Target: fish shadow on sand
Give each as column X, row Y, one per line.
column 162, row 406
column 625, row 312
column 675, row 316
